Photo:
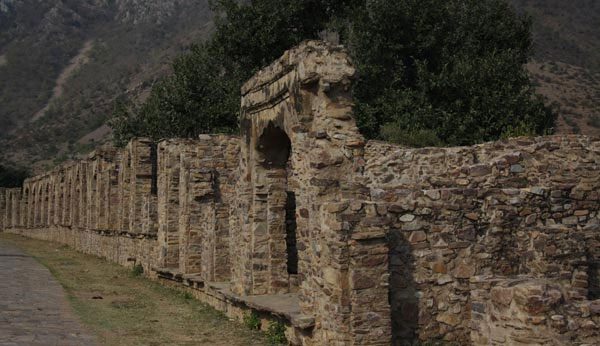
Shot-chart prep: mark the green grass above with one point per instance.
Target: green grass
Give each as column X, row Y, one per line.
column 123, row 308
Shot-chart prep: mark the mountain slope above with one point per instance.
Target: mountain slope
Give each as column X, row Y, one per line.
column 567, row 60
column 130, row 44
column 56, row 92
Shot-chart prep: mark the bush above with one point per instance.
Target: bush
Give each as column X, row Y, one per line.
column 454, row 67
column 137, row 270
column 276, row 334
column 520, row 130
column 12, row 176
column 252, row 321
column 594, row 121
column 410, row 138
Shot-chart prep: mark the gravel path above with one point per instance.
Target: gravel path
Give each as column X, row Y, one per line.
column 33, row 306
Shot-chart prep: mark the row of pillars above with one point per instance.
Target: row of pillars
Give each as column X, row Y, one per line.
column 196, row 189
column 110, row 191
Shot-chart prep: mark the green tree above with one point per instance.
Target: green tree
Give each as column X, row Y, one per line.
column 12, row 176
column 252, row 34
column 453, row 69
column 202, row 94
column 431, row 72
column 198, row 97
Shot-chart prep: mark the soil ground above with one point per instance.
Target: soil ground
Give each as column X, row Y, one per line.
column 121, row 308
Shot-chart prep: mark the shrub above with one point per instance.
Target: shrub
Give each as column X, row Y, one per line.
column 252, row 321
column 276, row 334
column 594, row 121
column 137, row 270
column 410, row 138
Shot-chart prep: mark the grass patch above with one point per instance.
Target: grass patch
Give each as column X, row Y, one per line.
column 252, row 321
column 137, row 270
column 123, row 308
column 276, row 334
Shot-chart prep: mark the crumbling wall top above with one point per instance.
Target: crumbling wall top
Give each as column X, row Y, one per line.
column 312, row 58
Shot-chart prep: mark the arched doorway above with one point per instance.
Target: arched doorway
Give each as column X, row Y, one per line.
column 275, row 169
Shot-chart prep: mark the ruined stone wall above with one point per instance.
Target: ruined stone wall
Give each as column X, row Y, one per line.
column 300, row 139
column 442, row 239
column 196, row 183
column 521, row 310
column 3, row 209
column 348, row 242
column 80, row 204
column 523, row 207
column 569, row 161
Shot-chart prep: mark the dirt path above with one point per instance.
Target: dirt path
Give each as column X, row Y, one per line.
column 33, row 306
column 79, row 60
column 121, row 308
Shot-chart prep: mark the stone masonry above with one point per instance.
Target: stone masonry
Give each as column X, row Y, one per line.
column 346, row 242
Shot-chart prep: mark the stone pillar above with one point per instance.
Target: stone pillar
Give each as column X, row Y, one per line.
column 33, row 205
column 83, row 185
column 354, row 267
column 124, row 187
column 37, row 198
column 68, row 197
column 114, row 202
column 168, row 203
column 26, row 204
column 196, row 189
column 76, row 204
column 141, row 186
column 3, row 222
column 92, row 210
column 65, row 198
column 44, row 204
column 103, row 177
column 276, row 220
column 5, row 212
column 260, row 238
column 40, row 202
column 17, row 208
column 51, row 198
column 222, row 266
column 184, row 208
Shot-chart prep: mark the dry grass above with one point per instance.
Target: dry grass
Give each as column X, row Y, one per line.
column 575, row 90
column 123, row 309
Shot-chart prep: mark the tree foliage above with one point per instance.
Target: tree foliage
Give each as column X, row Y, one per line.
column 431, row 72
column 198, row 97
column 453, row 67
column 12, row 177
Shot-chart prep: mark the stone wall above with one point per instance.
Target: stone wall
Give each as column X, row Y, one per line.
column 517, row 311
column 347, row 242
column 300, row 139
column 196, row 183
column 503, row 209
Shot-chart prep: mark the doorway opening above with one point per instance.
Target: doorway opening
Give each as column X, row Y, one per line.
column 274, row 147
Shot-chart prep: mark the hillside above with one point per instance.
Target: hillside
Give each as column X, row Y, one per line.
column 566, row 68
column 64, row 62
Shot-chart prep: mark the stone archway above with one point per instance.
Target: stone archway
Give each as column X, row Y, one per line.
column 273, row 152
column 303, row 102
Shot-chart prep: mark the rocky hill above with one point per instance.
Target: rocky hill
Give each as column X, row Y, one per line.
column 566, row 68
column 64, row 62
